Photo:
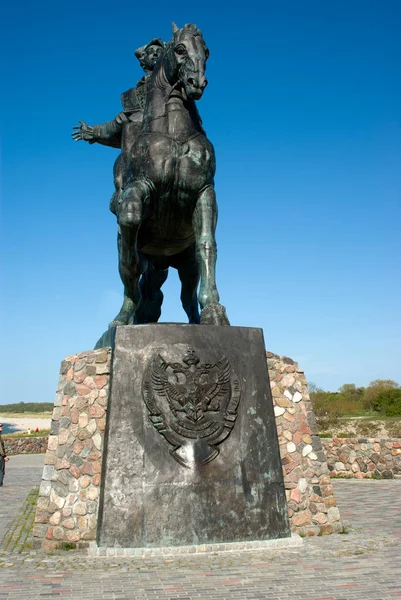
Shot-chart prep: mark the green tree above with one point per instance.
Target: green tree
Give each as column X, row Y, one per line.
column 375, row 388
column 350, row 398
column 388, row 403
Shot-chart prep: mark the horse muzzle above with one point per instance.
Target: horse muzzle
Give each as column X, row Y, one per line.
column 194, row 86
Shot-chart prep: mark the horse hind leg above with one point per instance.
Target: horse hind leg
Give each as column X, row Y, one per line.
column 188, row 273
column 150, row 305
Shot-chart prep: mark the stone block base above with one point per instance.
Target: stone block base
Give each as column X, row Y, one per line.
column 192, row 454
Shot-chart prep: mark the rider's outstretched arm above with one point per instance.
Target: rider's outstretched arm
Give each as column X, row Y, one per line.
column 108, row 134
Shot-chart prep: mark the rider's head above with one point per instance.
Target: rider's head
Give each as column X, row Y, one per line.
column 148, row 55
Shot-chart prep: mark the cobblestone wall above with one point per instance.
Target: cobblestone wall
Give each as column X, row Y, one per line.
column 34, row 445
column 363, row 458
column 310, row 495
column 68, row 501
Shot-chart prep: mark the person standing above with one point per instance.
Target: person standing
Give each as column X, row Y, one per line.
column 3, row 456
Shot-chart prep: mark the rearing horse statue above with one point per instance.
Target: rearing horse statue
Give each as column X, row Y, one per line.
column 168, row 212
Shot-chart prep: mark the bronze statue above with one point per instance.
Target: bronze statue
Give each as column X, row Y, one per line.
column 167, row 210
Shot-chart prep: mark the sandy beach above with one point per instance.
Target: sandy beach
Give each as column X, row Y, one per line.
column 14, row 424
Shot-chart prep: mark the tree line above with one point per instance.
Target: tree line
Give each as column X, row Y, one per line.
column 382, row 397
column 26, row 407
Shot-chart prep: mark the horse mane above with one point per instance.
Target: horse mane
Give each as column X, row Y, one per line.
column 190, row 27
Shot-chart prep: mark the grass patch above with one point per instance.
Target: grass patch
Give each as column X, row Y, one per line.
column 16, row 539
column 67, row 547
column 344, row 531
column 24, row 434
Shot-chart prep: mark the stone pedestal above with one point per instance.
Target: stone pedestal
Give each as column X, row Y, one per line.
column 68, row 509
column 192, row 454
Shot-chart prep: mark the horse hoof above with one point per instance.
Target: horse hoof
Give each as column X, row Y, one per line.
column 214, row 314
column 121, row 319
column 116, row 323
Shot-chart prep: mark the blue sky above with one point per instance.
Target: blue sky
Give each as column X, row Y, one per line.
column 304, row 109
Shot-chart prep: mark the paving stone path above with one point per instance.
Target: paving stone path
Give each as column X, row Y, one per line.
column 363, row 564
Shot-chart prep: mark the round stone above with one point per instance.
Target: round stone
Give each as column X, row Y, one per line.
column 297, row 397
column 84, row 481
column 68, row 523
column 333, row 514
column 307, row 450
column 291, row 447
column 288, row 380
column 55, row 518
column 79, row 509
column 302, row 485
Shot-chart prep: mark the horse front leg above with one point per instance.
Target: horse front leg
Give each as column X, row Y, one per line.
column 204, row 223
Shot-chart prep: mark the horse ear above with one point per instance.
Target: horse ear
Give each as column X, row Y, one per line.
column 175, row 28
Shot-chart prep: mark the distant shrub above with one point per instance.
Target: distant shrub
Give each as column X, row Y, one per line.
column 348, row 401
column 388, row 403
column 325, row 404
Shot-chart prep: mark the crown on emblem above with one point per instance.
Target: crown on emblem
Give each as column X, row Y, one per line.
column 191, row 358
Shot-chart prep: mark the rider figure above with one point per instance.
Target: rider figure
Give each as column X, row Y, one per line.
column 121, row 131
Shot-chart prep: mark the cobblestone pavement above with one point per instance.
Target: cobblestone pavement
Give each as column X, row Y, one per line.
column 363, row 564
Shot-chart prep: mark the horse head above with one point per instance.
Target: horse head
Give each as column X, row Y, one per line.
column 188, row 54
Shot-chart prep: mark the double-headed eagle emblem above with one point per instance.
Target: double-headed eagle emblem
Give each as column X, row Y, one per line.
column 192, row 404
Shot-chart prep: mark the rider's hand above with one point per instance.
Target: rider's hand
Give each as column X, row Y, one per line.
column 83, row 132
column 6, row 458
